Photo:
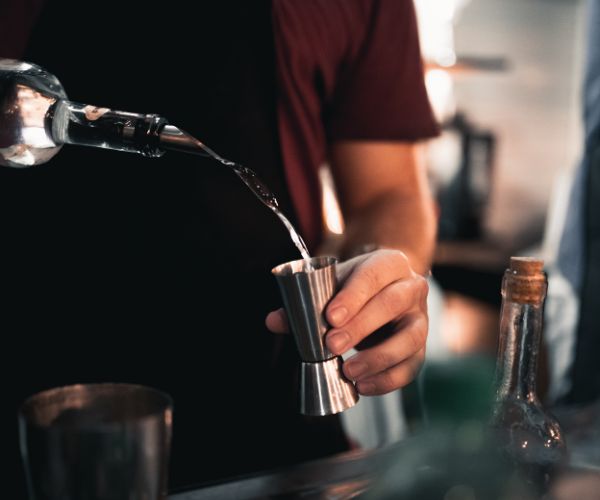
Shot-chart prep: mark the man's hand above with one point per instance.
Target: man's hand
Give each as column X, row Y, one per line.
column 381, row 310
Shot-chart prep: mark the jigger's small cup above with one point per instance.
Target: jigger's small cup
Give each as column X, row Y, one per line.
column 96, row 442
column 306, row 288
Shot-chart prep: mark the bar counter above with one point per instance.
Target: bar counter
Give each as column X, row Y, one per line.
column 357, row 473
column 341, row 476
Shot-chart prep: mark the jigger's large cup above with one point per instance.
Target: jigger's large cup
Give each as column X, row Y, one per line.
column 306, row 288
column 96, row 442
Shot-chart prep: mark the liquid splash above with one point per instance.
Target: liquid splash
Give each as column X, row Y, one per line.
column 262, row 192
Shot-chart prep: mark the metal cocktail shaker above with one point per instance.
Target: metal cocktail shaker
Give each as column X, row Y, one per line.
column 306, row 288
column 96, row 442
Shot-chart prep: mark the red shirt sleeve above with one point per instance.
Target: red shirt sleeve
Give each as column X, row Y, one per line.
column 381, row 93
column 346, row 69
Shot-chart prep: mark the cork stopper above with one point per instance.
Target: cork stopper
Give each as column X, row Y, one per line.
column 526, row 265
column 525, row 281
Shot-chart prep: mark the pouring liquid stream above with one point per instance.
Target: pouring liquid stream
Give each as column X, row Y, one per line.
column 260, row 190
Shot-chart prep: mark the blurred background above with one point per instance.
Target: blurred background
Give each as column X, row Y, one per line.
column 504, row 78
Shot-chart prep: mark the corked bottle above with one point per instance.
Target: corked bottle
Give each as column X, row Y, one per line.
column 529, row 435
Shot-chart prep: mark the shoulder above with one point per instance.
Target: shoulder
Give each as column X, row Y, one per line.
column 329, row 37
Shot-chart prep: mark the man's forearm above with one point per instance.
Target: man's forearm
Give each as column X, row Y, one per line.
column 393, row 220
column 385, row 198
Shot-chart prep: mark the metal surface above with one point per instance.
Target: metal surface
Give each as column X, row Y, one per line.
column 323, row 388
column 305, row 295
column 175, row 139
column 306, row 288
column 96, row 442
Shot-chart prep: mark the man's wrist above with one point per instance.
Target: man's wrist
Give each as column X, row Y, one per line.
column 356, row 250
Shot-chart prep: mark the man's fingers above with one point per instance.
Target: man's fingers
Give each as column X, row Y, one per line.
column 390, row 352
column 277, row 322
column 362, row 278
column 388, row 305
column 392, row 378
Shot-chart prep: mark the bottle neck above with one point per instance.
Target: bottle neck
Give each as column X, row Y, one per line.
column 520, row 337
column 85, row 125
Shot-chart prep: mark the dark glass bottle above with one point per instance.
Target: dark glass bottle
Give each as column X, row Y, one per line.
column 528, row 435
column 36, row 119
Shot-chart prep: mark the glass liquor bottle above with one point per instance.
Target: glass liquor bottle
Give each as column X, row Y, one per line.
column 528, row 435
column 36, row 119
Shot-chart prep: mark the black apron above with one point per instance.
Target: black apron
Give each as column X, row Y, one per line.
column 157, row 271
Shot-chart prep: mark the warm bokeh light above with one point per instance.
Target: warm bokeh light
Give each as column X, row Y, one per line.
column 436, row 29
column 440, row 90
column 332, row 214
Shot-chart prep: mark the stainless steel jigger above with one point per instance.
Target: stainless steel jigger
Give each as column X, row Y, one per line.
column 324, row 390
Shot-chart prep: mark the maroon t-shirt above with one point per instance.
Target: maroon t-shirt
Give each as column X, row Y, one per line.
column 347, row 70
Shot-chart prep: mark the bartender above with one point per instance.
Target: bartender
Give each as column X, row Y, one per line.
column 125, row 269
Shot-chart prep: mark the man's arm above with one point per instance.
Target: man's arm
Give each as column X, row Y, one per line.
column 385, row 199
column 381, row 307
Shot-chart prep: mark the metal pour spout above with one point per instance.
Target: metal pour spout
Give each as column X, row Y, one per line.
column 175, row 139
